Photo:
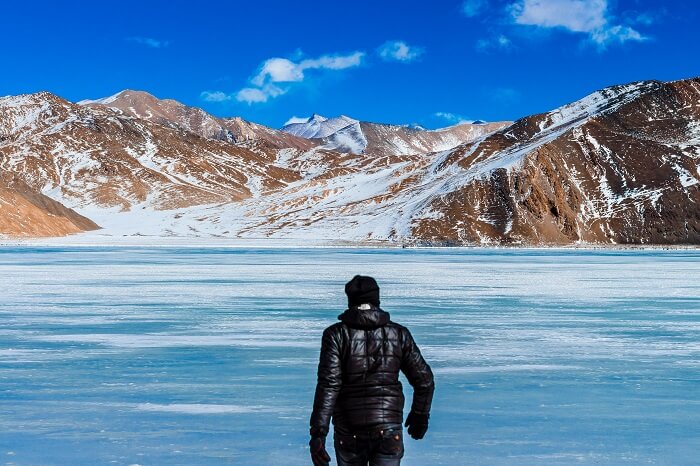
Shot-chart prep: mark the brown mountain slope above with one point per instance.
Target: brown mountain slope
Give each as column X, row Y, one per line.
column 174, row 114
column 621, row 166
column 30, row 214
column 96, row 157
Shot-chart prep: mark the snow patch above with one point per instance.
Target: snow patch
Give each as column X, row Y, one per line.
column 684, row 177
column 102, row 101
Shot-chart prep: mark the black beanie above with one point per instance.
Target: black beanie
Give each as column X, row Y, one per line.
column 362, row 290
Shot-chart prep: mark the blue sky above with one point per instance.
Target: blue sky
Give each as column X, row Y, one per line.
column 431, row 63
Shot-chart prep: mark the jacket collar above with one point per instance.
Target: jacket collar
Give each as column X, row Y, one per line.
column 365, row 316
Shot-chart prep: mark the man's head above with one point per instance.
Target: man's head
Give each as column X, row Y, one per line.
column 361, row 290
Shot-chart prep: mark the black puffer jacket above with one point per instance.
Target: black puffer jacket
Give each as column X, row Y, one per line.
column 358, row 372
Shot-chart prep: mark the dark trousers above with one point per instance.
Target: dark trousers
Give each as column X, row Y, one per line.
column 377, row 447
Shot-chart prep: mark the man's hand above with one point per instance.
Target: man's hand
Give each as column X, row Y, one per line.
column 317, row 447
column 417, row 425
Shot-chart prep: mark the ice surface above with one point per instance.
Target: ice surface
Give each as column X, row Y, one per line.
column 207, row 355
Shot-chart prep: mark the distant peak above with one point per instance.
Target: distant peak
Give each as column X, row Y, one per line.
column 126, row 93
column 103, row 100
column 26, row 99
column 44, row 94
column 316, row 117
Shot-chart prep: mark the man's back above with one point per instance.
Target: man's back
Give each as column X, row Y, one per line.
column 358, row 376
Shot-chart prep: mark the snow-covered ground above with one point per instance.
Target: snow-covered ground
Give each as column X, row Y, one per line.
column 207, row 355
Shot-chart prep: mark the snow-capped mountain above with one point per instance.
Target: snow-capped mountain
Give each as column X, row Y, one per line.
column 318, row 127
column 346, row 134
column 341, row 133
column 621, row 165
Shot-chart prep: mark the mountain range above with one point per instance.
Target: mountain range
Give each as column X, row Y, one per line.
column 618, row 166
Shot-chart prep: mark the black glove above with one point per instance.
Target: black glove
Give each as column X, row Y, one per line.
column 317, row 446
column 417, row 425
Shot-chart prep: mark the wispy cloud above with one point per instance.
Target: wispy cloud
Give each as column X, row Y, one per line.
column 256, row 95
column 616, row 33
column 574, row 15
column 249, row 95
column 276, row 70
column 398, row 50
column 215, row 96
column 590, row 17
column 264, row 85
column 644, row 18
column 471, row 8
column 500, row 42
column 148, row 41
column 452, row 118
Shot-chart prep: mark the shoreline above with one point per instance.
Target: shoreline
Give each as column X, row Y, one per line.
column 80, row 240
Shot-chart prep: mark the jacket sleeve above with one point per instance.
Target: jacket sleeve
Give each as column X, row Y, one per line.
column 418, row 374
column 329, row 381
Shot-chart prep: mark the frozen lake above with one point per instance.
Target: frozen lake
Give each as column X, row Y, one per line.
column 152, row 356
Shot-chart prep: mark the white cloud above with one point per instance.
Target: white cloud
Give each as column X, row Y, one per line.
column 616, row 34
column 574, row 15
column 254, row 95
column 334, row 62
column 251, row 95
column 282, row 70
column 149, row 42
column 471, row 8
column 589, row 17
column 296, row 119
column 214, row 96
column 277, row 70
column 399, row 51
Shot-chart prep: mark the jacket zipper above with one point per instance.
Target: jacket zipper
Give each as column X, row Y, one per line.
column 366, row 355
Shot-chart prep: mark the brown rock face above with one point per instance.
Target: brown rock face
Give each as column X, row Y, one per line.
column 24, row 213
column 618, row 167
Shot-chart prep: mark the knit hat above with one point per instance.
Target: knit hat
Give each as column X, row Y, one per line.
column 361, row 290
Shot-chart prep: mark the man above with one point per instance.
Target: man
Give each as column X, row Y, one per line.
column 358, row 384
